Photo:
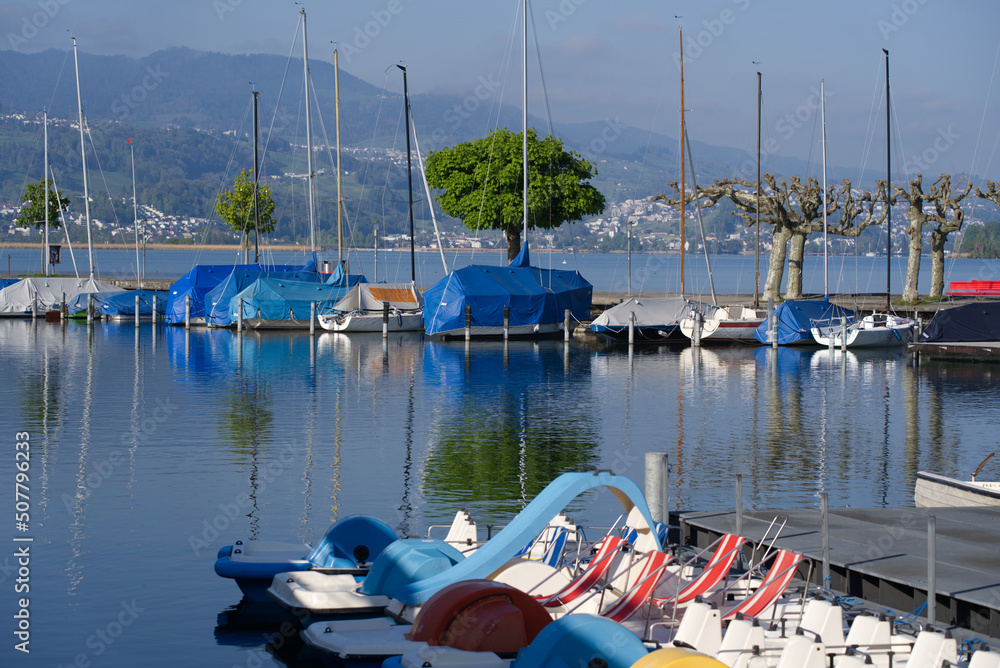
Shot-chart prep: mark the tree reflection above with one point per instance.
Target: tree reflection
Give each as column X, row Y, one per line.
column 507, row 431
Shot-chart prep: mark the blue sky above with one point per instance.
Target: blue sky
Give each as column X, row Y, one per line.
column 617, row 60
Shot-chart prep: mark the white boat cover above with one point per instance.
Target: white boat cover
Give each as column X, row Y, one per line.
column 650, row 312
column 46, row 294
column 371, row 296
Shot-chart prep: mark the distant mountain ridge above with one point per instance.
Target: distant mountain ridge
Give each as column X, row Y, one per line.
column 189, row 114
column 211, row 91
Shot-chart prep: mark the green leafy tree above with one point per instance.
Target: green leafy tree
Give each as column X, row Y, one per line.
column 235, row 207
column 34, row 213
column 483, row 181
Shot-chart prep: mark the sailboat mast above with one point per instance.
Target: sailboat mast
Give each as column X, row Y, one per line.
column 340, row 198
column 83, row 157
column 256, row 182
column 45, row 177
column 135, row 218
column 888, row 184
column 822, row 113
column 524, row 116
column 309, row 151
column 756, row 227
column 683, row 199
column 409, row 172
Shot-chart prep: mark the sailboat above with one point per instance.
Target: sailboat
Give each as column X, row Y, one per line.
column 732, row 324
column 519, row 300
column 878, row 330
column 272, row 302
column 370, row 307
column 659, row 318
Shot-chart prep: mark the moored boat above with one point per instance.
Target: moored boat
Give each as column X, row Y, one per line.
column 932, row 490
column 363, row 309
column 730, row 324
column 878, row 330
column 652, row 318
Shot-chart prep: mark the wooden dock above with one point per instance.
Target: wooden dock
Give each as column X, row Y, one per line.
column 881, row 555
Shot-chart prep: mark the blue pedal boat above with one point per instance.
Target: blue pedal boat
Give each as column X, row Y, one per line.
column 348, row 548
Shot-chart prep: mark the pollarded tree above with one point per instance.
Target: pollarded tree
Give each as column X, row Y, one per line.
column 236, row 208
column 795, row 210
column 482, row 182
column 948, row 217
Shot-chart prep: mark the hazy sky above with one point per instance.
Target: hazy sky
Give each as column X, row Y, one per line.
column 618, row 60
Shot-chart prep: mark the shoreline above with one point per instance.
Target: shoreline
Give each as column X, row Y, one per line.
column 302, row 249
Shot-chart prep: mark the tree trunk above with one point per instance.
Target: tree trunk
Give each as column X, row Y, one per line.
column 776, row 266
column 938, row 240
column 513, row 243
column 796, row 252
column 910, row 291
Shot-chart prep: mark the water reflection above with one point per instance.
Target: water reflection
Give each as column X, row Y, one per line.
column 506, row 424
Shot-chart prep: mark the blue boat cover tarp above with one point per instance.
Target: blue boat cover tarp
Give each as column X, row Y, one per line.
column 199, row 281
column 534, row 295
column 217, row 300
column 123, row 303
column 284, row 299
column 795, row 320
column 979, row 321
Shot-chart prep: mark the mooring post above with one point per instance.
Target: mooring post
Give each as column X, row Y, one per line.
column 506, row 322
column 657, row 485
column 772, row 323
column 631, row 327
column 90, row 309
column 468, row 322
column 824, row 502
column 187, row 312
column 156, row 305
column 931, row 569
column 385, row 320
column 312, row 318
column 843, row 333
column 137, row 309
column 566, row 324
column 62, row 307
column 739, row 504
column 696, row 329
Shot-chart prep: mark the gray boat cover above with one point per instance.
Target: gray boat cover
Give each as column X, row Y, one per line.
column 41, row 294
column 650, row 313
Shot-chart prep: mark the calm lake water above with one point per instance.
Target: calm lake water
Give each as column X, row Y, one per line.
column 651, row 273
column 151, row 449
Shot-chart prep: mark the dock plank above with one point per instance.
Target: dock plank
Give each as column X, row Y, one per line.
column 880, row 555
